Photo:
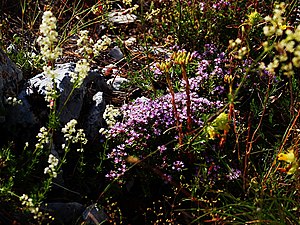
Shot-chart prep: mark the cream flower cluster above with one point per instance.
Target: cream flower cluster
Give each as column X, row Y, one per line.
column 110, row 114
column 48, row 37
column 81, row 71
column 238, row 51
column 49, row 72
column 288, row 49
column 80, row 138
column 276, row 24
column 69, row 130
column 84, row 43
column 103, row 131
column 73, row 135
column 127, row 2
column 28, row 204
column 87, row 47
column 43, row 138
column 51, row 169
column 50, row 90
column 51, row 94
column 101, row 45
column 13, row 101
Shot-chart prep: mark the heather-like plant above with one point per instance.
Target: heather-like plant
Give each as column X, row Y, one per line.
column 148, row 127
column 155, row 131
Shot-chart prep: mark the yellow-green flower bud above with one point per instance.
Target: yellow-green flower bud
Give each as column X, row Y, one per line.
column 221, row 122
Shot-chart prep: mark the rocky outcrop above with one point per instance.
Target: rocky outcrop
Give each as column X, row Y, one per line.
column 10, row 78
column 86, row 104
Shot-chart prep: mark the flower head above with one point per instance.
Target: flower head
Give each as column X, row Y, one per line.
column 81, row 71
column 48, row 37
column 292, row 161
column 51, row 169
column 289, row 157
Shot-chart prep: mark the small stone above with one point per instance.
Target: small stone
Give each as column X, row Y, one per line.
column 121, row 17
column 130, row 41
column 10, row 78
column 64, row 213
column 92, row 215
column 94, row 121
column 117, row 82
column 116, row 53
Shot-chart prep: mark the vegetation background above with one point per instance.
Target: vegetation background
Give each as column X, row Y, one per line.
column 208, row 132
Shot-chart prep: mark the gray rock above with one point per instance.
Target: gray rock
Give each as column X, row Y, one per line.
column 93, row 216
column 95, row 117
column 74, row 213
column 10, row 78
column 70, row 108
column 121, row 17
column 82, row 105
column 116, row 53
column 117, row 82
column 39, row 82
column 64, row 213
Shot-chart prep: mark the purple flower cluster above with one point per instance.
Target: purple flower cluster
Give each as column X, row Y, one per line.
column 211, row 62
column 148, row 124
column 145, row 120
column 211, row 67
column 146, row 116
column 178, row 165
column 221, row 4
column 234, row 174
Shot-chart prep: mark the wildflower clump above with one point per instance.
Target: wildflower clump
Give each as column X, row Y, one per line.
column 30, row 206
column 73, row 135
column 81, row 71
column 146, row 123
column 181, row 57
column 287, row 57
column 50, row 51
column 48, row 38
column 277, row 23
column 111, row 115
column 51, row 169
column 43, row 138
column 101, row 45
column 84, row 43
column 88, row 48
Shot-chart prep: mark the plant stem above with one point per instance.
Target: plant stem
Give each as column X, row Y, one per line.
column 188, row 98
column 178, row 124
